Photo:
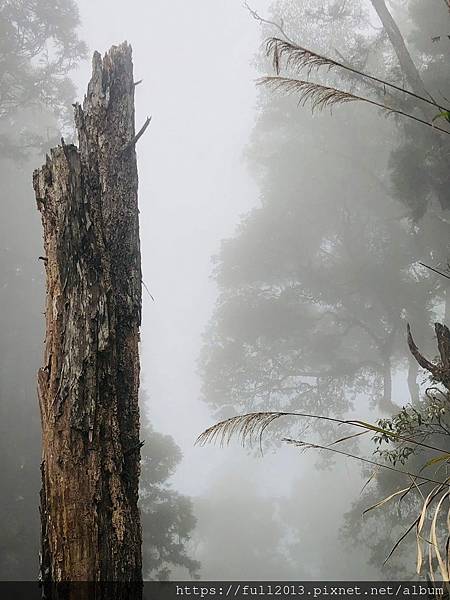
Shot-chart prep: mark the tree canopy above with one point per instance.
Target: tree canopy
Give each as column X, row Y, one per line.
column 39, row 46
column 167, row 516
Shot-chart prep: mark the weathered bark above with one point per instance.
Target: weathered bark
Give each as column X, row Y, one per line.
column 88, row 387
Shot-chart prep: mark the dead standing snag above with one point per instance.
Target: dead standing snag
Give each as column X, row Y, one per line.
column 88, row 386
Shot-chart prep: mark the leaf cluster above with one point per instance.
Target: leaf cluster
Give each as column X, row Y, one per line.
column 167, row 516
column 423, row 422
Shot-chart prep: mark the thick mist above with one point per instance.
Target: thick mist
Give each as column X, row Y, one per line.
column 224, row 159
column 197, row 62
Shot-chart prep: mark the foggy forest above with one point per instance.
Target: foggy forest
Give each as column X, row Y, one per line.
column 224, row 352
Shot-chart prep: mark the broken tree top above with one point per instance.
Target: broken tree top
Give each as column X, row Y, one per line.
column 105, row 127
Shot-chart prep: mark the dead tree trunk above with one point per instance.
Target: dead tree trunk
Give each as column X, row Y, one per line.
column 88, row 386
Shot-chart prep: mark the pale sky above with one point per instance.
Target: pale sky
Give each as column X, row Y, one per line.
column 195, row 59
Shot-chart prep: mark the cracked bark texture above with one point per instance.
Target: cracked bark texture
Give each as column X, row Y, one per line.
column 88, row 386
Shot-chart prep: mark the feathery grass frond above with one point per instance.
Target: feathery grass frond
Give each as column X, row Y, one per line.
column 250, row 425
column 322, row 96
column 245, row 427
column 304, row 57
column 299, row 58
column 295, row 56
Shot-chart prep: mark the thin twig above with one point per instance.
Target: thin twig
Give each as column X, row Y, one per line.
column 148, row 291
column 258, row 17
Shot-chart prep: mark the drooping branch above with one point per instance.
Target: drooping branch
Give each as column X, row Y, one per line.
column 423, row 362
column 441, row 370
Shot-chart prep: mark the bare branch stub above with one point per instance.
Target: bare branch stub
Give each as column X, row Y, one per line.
column 139, row 134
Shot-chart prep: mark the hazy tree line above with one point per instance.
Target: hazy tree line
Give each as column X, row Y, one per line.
column 316, row 286
column 39, row 46
column 321, row 278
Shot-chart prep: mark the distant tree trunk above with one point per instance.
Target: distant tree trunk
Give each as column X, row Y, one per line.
column 447, row 305
column 386, row 403
column 386, row 352
column 88, row 386
column 414, row 389
column 398, row 43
